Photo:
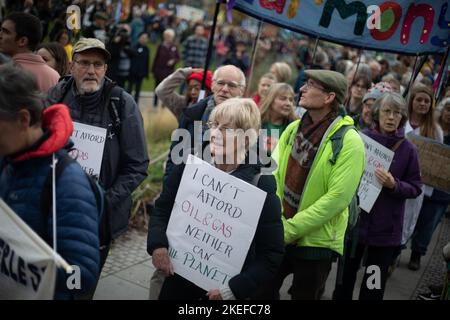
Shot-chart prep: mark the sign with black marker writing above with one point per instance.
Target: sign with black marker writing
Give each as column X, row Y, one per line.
column 377, row 156
column 212, row 224
column 89, row 142
column 27, row 263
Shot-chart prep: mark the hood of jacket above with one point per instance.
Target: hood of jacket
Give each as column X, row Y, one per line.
column 57, row 122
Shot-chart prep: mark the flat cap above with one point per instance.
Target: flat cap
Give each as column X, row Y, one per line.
column 331, row 80
column 85, row 44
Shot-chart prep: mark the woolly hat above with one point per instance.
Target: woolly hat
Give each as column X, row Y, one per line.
column 377, row 91
column 199, row 77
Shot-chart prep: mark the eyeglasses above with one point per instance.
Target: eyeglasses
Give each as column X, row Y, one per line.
column 215, row 125
column 309, row 84
column 84, row 64
column 232, row 85
column 388, row 112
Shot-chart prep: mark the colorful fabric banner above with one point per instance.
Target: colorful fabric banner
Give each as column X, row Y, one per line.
column 403, row 26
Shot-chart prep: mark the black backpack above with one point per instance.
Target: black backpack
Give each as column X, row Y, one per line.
column 64, row 160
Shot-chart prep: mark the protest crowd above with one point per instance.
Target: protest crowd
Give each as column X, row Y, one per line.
column 314, row 159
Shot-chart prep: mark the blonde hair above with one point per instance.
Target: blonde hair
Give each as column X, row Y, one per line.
column 240, row 113
column 275, row 90
column 283, row 72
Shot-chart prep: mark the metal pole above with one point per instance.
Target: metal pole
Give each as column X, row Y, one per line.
column 255, row 45
column 315, row 50
column 211, row 43
column 415, row 72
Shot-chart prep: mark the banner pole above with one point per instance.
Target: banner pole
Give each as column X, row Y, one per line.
column 211, row 43
column 415, row 72
column 252, row 66
column 442, row 75
column 347, row 100
column 313, row 59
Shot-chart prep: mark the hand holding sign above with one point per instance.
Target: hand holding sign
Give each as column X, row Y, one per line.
column 161, row 261
column 385, row 178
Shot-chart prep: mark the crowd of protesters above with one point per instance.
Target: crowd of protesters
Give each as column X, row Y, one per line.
column 305, row 99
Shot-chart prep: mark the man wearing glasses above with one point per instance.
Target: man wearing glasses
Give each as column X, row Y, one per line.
column 95, row 100
column 314, row 191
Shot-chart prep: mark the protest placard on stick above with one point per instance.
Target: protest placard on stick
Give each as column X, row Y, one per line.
column 212, row 224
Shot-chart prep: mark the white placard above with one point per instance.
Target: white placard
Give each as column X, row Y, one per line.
column 27, row 263
column 212, row 224
column 89, row 145
column 377, row 156
column 189, row 13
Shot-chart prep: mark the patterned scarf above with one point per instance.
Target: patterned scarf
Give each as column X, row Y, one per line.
column 302, row 156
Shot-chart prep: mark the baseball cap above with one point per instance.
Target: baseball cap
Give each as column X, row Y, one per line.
column 85, row 44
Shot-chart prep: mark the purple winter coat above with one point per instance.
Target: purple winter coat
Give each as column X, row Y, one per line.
column 382, row 227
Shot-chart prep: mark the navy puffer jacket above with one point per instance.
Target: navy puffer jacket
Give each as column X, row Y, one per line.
column 21, row 183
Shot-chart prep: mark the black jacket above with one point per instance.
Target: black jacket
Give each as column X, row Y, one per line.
column 125, row 157
column 140, row 62
column 267, row 248
column 186, row 122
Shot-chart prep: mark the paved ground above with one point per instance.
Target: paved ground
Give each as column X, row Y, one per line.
column 126, row 275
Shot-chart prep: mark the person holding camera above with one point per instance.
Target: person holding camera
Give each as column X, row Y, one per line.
column 121, row 55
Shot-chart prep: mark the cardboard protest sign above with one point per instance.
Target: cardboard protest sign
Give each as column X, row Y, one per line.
column 212, row 224
column 434, row 160
column 377, row 156
column 89, row 144
column 404, row 26
column 27, row 263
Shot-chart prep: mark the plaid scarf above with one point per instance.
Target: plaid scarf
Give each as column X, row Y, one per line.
column 302, row 156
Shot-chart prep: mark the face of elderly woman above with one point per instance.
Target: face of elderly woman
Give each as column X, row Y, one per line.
column 389, row 119
column 224, row 142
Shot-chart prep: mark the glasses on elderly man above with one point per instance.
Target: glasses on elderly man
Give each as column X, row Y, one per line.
column 85, row 64
column 309, row 84
column 232, row 85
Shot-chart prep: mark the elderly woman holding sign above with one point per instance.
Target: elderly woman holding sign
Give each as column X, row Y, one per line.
column 229, row 151
column 380, row 230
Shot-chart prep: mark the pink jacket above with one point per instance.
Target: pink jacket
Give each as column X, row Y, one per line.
column 46, row 77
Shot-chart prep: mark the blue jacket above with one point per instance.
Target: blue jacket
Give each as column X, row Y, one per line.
column 21, row 182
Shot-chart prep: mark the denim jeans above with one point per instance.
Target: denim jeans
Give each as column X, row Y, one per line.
column 430, row 215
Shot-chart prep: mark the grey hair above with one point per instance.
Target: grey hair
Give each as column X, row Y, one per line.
column 19, row 90
column 239, row 71
column 393, row 99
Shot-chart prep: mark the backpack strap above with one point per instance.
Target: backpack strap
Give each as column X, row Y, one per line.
column 337, row 141
column 115, row 101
